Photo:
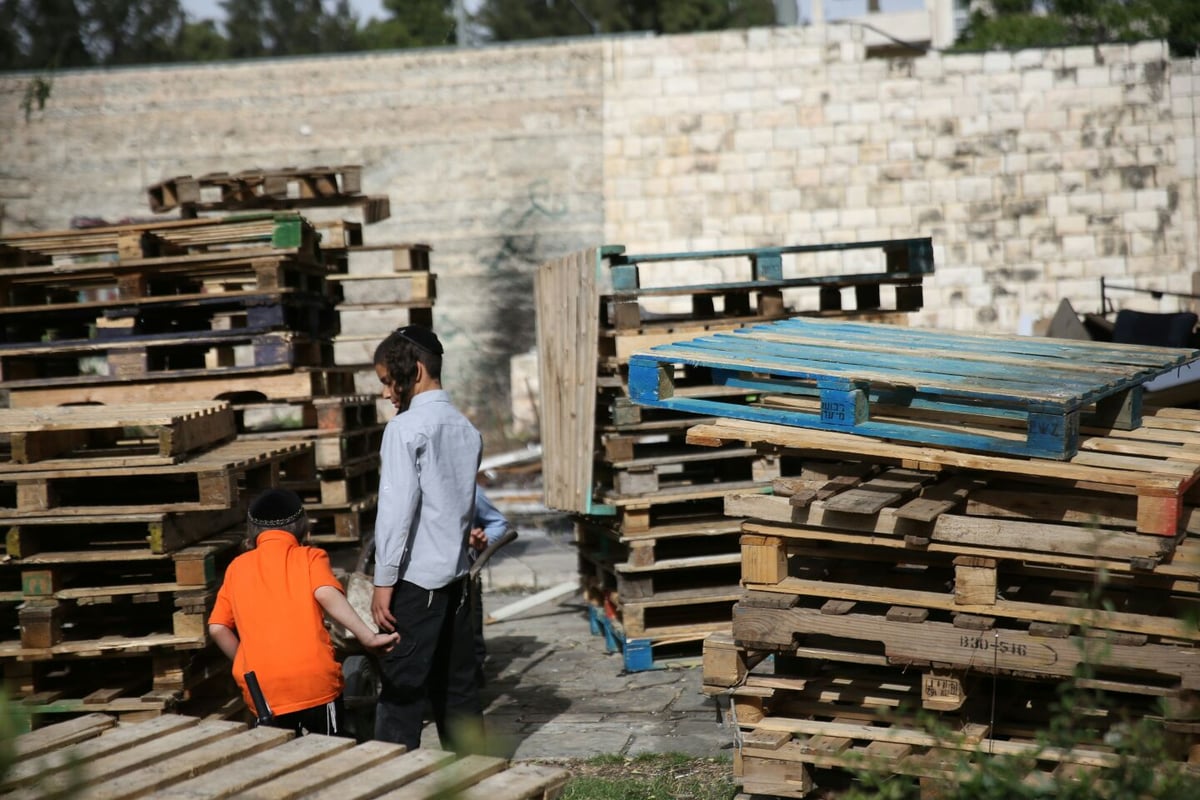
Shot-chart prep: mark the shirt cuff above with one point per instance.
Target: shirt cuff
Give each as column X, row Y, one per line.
column 386, row 576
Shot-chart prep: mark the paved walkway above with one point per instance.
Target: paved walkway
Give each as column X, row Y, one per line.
column 553, row 692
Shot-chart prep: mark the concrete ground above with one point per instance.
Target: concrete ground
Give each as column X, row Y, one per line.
column 552, row 689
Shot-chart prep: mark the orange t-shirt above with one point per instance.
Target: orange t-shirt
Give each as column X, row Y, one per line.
column 267, row 599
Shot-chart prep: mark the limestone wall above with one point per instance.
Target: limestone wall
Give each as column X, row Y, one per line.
column 1035, row 172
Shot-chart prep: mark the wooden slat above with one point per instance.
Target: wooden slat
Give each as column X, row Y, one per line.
column 201, row 759
column 392, row 774
column 519, row 782
column 316, row 776
column 52, row 737
column 133, row 758
column 114, row 741
column 235, row 780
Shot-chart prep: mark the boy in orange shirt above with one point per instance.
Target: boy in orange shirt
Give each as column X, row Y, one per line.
column 268, row 618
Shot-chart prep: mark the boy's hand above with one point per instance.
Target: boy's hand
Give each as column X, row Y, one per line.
column 478, row 540
column 381, row 608
column 381, row 642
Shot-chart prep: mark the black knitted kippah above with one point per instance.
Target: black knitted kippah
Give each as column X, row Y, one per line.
column 422, row 337
column 275, row 507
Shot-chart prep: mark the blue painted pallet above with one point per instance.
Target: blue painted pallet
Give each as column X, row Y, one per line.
column 867, row 377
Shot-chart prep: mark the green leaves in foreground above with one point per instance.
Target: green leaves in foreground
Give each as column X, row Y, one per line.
column 651, row 777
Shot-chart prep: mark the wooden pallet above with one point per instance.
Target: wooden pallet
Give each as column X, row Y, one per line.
column 210, row 481
column 1055, row 601
column 1082, row 544
column 323, row 415
column 777, row 756
column 334, row 449
column 410, row 288
column 117, row 283
column 132, row 611
column 107, row 318
column 691, row 563
column 864, row 378
column 184, row 757
column 157, row 356
column 342, row 524
column 602, row 304
column 1154, row 464
column 886, row 634
column 112, row 436
column 224, row 191
column 667, row 468
column 66, row 686
column 287, row 188
column 103, row 246
column 758, row 278
column 676, row 504
column 236, row 384
column 95, row 539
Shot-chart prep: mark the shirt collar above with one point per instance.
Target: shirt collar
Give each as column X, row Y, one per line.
column 431, row 396
column 275, row 535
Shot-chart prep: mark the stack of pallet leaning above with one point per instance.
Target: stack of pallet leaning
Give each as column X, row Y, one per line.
column 372, row 288
column 971, row 523
column 119, row 521
column 239, row 309
column 659, row 561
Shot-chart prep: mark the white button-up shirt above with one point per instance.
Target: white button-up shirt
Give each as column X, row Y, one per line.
column 430, row 457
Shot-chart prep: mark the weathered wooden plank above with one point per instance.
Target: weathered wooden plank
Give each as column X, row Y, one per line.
column 114, row 741
column 519, row 782
column 400, row 771
column 234, row 780
column 318, row 775
column 201, row 759
column 52, row 737
column 133, row 758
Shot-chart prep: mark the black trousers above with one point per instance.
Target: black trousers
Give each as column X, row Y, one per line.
column 327, row 719
column 434, row 662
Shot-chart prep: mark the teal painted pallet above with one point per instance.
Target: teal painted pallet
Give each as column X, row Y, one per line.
column 876, row 380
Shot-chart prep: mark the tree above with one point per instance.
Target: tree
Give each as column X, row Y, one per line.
column 1010, row 24
column 132, row 31
column 201, row 41
column 48, row 34
column 288, row 27
column 509, row 20
column 412, row 23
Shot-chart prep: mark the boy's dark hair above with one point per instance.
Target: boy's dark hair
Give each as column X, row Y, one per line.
column 403, row 348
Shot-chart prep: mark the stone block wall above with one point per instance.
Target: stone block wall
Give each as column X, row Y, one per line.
column 1035, row 172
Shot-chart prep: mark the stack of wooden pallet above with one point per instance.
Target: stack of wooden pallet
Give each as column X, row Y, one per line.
column 969, row 522
column 119, row 521
column 181, row 757
column 243, row 309
column 287, row 188
column 658, row 559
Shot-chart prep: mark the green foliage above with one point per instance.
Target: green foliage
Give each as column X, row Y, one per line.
column 413, row 23
column 651, row 776
column 1013, row 24
column 37, row 92
column 510, row 20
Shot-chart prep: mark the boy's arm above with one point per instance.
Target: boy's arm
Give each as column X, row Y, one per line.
column 339, row 609
column 399, row 493
column 225, row 638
